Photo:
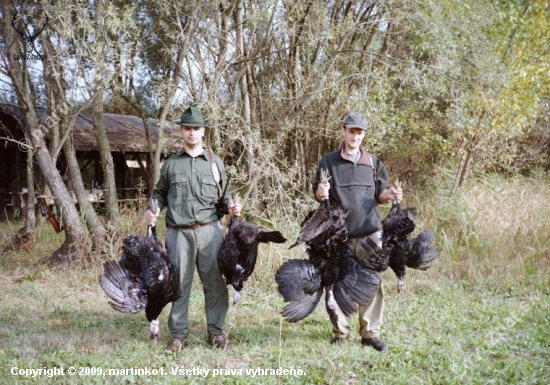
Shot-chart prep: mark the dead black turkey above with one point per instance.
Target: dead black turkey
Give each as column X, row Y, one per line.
column 141, row 280
column 239, row 251
column 330, row 267
column 403, row 250
column 324, row 228
column 398, row 224
column 301, row 283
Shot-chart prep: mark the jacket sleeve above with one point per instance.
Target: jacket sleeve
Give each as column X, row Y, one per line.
column 160, row 192
column 381, row 177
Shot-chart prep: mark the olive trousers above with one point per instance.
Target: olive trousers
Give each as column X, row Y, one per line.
column 199, row 247
column 370, row 315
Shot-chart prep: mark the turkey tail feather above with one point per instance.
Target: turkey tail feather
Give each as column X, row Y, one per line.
column 299, row 282
column 357, row 288
column 128, row 296
column 423, row 252
column 298, row 310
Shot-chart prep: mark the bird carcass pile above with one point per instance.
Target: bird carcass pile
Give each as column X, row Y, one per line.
column 239, row 252
column 329, row 266
column 141, row 279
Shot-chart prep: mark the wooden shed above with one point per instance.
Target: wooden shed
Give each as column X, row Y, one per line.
column 128, row 139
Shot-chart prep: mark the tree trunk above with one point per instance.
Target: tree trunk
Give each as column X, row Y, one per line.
column 74, row 247
column 469, row 157
column 245, row 103
column 107, row 164
column 30, row 220
column 464, row 168
column 93, row 222
column 24, row 239
column 109, row 184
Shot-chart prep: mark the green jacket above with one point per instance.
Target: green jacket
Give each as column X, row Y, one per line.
column 356, row 188
column 187, row 188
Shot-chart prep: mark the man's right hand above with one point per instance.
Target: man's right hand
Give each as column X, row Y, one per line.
column 323, row 190
column 151, row 216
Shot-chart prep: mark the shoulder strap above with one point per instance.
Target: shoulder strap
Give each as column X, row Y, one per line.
column 215, row 170
column 373, row 168
column 220, row 206
column 374, row 171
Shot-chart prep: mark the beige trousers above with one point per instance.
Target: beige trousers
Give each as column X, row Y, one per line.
column 370, row 316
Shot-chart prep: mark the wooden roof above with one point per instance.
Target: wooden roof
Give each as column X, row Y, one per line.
column 126, row 133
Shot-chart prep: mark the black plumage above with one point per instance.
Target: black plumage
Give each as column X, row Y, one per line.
column 349, row 281
column 422, row 250
column 324, row 228
column 330, row 266
column 356, row 286
column 141, row 280
column 416, row 253
column 299, row 282
column 239, row 251
column 368, row 254
column 398, row 224
column 403, row 250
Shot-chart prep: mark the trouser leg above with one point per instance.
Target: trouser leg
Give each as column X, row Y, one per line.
column 181, row 248
column 341, row 324
column 216, row 298
column 372, row 315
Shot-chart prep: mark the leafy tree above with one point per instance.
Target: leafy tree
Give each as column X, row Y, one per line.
column 439, row 81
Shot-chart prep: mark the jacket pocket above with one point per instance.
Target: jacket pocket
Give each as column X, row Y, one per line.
column 209, row 188
column 356, row 187
column 180, row 185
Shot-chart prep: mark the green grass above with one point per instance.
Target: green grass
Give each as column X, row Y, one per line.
column 479, row 315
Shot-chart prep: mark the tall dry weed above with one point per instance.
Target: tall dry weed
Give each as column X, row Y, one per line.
column 492, row 228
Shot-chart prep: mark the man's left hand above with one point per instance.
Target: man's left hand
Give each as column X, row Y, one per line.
column 397, row 193
column 390, row 194
column 234, row 207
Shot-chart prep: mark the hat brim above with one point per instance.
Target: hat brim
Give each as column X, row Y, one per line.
column 193, row 124
column 353, row 126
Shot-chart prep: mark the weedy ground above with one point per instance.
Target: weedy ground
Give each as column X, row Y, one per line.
column 478, row 316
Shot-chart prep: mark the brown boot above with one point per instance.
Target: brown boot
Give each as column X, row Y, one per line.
column 375, row 343
column 219, row 341
column 176, row 345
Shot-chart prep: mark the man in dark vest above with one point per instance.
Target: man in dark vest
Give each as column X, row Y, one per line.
column 359, row 182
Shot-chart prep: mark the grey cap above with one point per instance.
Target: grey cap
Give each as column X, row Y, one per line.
column 355, row 121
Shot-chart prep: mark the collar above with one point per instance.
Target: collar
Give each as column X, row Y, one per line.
column 203, row 153
column 364, row 159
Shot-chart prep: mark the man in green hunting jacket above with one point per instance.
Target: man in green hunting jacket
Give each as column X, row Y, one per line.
column 189, row 187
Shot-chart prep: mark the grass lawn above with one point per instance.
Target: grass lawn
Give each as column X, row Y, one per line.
column 478, row 316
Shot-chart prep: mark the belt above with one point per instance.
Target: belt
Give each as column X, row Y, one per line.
column 195, row 226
